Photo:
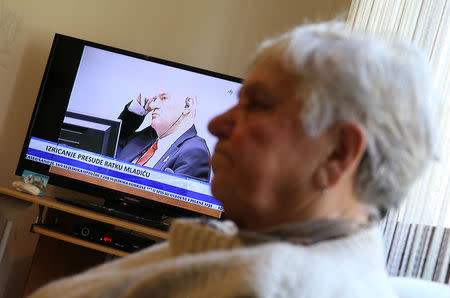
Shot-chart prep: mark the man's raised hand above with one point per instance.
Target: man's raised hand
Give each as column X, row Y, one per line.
column 139, row 106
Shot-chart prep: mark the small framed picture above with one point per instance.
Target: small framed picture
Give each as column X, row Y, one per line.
column 36, row 181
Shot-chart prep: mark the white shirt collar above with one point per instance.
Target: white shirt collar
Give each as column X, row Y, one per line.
column 165, row 143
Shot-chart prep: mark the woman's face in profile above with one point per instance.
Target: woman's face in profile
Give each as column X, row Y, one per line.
column 263, row 162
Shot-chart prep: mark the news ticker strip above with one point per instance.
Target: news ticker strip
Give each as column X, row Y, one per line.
column 124, row 173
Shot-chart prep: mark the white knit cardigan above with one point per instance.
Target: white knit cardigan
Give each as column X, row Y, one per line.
column 201, row 261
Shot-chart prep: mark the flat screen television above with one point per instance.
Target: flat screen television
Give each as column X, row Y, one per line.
column 78, row 132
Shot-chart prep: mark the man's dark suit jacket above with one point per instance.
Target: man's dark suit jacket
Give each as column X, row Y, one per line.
column 188, row 155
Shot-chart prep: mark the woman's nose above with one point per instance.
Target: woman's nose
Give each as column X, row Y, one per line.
column 222, row 125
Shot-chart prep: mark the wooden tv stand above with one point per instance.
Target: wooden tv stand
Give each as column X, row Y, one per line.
column 57, row 252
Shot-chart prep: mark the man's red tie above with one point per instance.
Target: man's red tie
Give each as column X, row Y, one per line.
column 148, row 154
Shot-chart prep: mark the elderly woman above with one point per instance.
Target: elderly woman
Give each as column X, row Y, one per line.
column 329, row 133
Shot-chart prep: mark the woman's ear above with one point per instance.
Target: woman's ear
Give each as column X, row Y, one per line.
column 348, row 141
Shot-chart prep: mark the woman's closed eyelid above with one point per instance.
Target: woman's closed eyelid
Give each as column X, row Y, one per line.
column 258, row 103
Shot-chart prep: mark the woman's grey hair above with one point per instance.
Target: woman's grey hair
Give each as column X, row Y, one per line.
column 383, row 85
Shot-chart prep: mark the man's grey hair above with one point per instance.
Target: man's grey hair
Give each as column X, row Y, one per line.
column 383, row 85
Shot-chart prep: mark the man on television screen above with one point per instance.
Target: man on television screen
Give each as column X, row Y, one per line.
column 171, row 142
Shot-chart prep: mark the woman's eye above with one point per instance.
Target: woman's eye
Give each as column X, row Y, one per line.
column 258, row 104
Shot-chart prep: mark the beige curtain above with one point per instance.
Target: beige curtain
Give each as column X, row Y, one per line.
column 417, row 235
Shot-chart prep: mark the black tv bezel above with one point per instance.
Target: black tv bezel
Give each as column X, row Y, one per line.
column 77, row 185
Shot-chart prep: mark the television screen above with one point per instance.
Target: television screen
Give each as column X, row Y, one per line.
column 112, row 122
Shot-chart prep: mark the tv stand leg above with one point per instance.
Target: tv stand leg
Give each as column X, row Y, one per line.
column 4, row 239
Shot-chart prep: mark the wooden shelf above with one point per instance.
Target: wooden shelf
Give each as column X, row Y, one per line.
column 54, row 204
column 57, row 253
column 70, row 239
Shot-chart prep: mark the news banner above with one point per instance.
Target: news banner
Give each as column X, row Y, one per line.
column 124, row 173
